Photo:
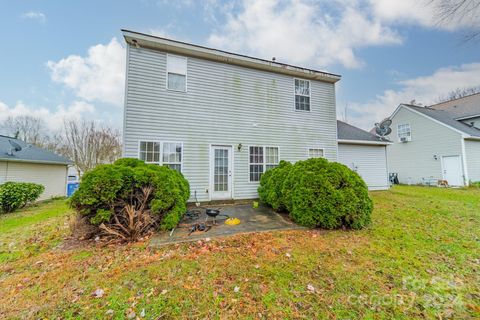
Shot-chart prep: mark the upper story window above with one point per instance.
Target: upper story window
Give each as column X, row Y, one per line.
column 404, row 132
column 176, row 73
column 315, row 153
column 302, row 95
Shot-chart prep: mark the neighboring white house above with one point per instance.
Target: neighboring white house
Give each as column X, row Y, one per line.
column 439, row 142
column 364, row 153
column 32, row 164
column 223, row 119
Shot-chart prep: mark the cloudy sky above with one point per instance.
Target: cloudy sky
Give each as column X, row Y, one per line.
column 62, row 59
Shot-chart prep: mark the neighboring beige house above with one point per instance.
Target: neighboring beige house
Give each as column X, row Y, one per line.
column 439, row 142
column 31, row 164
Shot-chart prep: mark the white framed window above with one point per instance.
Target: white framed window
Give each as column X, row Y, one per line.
column 262, row 159
column 315, row 153
column 176, row 73
column 172, row 155
column 271, row 158
column 404, row 132
column 302, row 95
column 256, row 163
column 149, row 151
column 162, row 153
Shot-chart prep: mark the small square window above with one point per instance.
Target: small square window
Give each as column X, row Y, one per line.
column 404, row 132
column 315, row 153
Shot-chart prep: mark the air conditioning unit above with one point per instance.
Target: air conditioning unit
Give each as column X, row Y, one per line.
column 403, row 139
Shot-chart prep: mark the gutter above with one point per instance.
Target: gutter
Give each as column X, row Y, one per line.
column 35, row 161
column 364, row 142
column 137, row 39
column 471, row 138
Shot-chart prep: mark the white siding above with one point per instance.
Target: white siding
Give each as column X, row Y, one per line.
column 414, row 160
column 53, row 177
column 369, row 161
column 472, row 151
column 228, row 105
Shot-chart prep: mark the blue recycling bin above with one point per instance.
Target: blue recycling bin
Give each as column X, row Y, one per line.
column 71, row 188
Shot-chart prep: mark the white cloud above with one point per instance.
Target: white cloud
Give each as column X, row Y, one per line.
column 302, row 32
column 53, row 119
column 34, row 15
column 100, row 76
column 426, row 13
column 424, row 89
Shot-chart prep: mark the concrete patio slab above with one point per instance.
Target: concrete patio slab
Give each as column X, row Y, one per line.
column 259, row 219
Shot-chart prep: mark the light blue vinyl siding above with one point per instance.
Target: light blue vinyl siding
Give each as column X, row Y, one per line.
column 226, row 105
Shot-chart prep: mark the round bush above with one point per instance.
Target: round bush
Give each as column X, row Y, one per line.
column 15, row 195
column 106, row 189
column 318, row 193
column 271, row 183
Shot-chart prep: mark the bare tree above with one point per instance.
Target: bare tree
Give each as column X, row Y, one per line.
column 30, row 129
column 459, row 93
column 88, row 144
column 448, row 11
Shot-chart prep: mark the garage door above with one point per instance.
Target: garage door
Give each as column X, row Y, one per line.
column 369, row 161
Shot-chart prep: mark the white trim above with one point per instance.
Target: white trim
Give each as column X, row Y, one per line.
column 464, row 135
column 468, row 117
column 36, row 161
column 186, row 72
column 124, row 135
column 380, row 143
column 182, row 48
column 466, row 179
column 210, row 173
column 309, row 95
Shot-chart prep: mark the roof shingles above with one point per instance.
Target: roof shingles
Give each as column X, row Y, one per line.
column 445, row 118
column 29, row 153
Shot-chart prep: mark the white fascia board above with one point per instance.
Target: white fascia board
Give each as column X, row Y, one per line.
column 187, row 49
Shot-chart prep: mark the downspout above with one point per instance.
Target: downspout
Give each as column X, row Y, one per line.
column 464, row 161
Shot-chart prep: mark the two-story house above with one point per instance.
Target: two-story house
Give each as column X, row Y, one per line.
column 438, row 142
column 223, row 119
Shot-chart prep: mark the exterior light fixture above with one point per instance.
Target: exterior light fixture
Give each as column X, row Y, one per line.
column 239, row 147
column 435, row 157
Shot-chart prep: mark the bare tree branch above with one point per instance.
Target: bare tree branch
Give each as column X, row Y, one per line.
column 88, row 144
column 456, row 11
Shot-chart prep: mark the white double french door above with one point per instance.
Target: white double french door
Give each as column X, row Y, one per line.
column 221, row 173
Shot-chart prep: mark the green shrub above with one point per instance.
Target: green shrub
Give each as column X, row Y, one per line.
column 271, row 183
column 107, row 189
column 15, row 195
column 475, row 184
column 318, row 193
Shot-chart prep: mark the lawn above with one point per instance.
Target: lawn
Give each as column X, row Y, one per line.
column 419, row 259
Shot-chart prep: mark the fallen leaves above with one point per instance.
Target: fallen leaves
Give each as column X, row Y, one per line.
column 98, row 293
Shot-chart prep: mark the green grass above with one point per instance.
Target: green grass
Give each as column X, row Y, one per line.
column 419, row 259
